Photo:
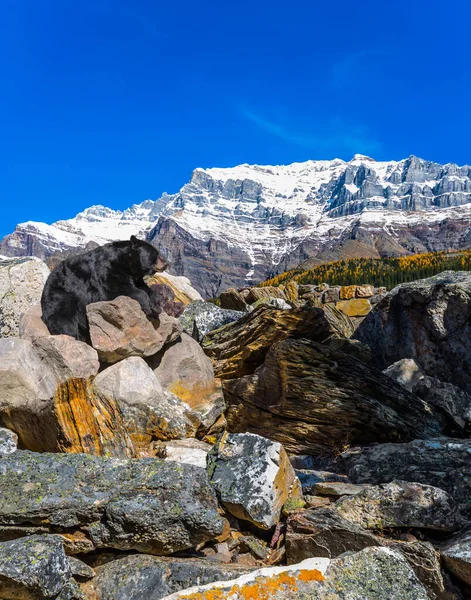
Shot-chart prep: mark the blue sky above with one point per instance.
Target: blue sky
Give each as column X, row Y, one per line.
column 115, row 101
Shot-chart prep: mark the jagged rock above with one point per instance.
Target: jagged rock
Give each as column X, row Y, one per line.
column 8, row 441
column 357, row 307
column 274, row 302
column 354, row 348
column 372, row 574
column 447, row 398
column 331, row 294
column 338, row 488
column 164, row 297
column 31, row 325
column 181, row 286
column 324, row 532
column 147, row 505
column 376, row 299
column 199, row 318
column 36, row 567
column 21, row 285
column 406, row 372
column 270, row 291
column 456, row 554
column 231, row 299
column 364, row 291
column 291, row 292
column 427, row 320
column 300, row 382
column 189, row 452
column 253, row 477
column 67, row 357
column 149, row 412
column 347, row 292
column 425, row 561
column 80, row 570
column 185, row 370
column 440, row 462
column 119, row 329
column 401, row 504
column 141, row 576
column 241, row 347
column 309, row 478
column 89, row 422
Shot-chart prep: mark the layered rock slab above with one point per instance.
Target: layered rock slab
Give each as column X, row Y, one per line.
column 146, row 505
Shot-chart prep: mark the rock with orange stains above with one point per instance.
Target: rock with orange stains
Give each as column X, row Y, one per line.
column 372, row 574
column 253, row 477
column 184, row 369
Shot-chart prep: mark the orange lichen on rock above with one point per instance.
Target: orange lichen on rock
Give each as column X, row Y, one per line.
column 198, row 394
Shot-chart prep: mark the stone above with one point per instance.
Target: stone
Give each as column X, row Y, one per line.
column 164, row 299
column 347, row 292
column 291, row 292
column 148, row 411
column 35, row 567
column 406, row 372
column 364, row 291
column 358, row 307
column 456, row 554
column 425, row 561
column 88, row 422
column 145, row 577
column 80, row 570
column 338, row 488
column 190, row 452
column 231, row 299
column 269, row 291
column 185, row 370
column 119, row 329
column 238, row 349
column 446, row 398
column 376, row 299
column 148, row 505
column 440, row 462
column 316, row 501
column 8, row 441
column 372, row 574
column 354, row 348
column 324, row 532
column 332, row 294
column 252, row 476
column 181, row 286
column 403, row 505
column 309, row 479
column 21, row 284
column 306, row 289
column 199, row 318
column 67, row 357
column 427, row 320
column 31, row 325
column 315, row 400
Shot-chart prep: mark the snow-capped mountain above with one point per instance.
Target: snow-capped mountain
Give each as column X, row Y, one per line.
column 236, row 226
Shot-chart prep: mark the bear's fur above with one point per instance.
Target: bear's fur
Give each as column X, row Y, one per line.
column 112, row 270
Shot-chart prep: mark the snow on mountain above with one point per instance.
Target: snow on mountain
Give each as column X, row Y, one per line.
column 262, row 219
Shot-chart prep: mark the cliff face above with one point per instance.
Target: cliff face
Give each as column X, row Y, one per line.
column 237, row 226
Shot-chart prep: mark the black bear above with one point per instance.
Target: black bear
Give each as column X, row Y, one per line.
column 112, row 270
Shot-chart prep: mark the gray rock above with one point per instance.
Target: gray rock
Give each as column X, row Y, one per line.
column 309, row 478
column 35, row 567
column 332, row 294
column 406, row 372
column 338, row 488
column 231, row 299
column 67, row 357
column 31, row 324
column 21, row 284
column 141, row 576
column 8, row 441
column 440, row 462
column 259, row 293
column 147, row 505
column 149, row 412
column 456, row 554
column 184, row 369
column 403, row 505
column 447, row 398
column 425, row 561
column 189, row 452
column 253, row 477
column 199, row 318
column 119, row 329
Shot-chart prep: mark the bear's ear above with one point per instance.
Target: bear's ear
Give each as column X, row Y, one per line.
column 134, row 241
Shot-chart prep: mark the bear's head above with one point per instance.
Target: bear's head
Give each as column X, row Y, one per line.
column 145, row 259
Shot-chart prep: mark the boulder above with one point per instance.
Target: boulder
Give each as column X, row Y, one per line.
column 400, row 504
column 185, row 370
column 119, row 329
column 252, row 476
column 181, row 286
column 291, row 292
column 364, row 291
column 347, row 292
column 148, row 411
column 355, row 348
column 241, row 347
column 269, row 291
column 31, row 325
column 309, row 479
column 189, row 452
column 338, row 488
column 164, row 298
column 8, row 441
column 406, row 372
column 274, row 302
column 332, row 294
column 199, row 318
column 139, row 577
column 440, row 462
column 67, row 357
column 456, row 555
column 372, row 574
column 21, row 284
column 427, row 320
column 231, row 299
column 357, row 307
column 36, row 567
column 447, row 398
column 300, row 382
column 148, row 505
